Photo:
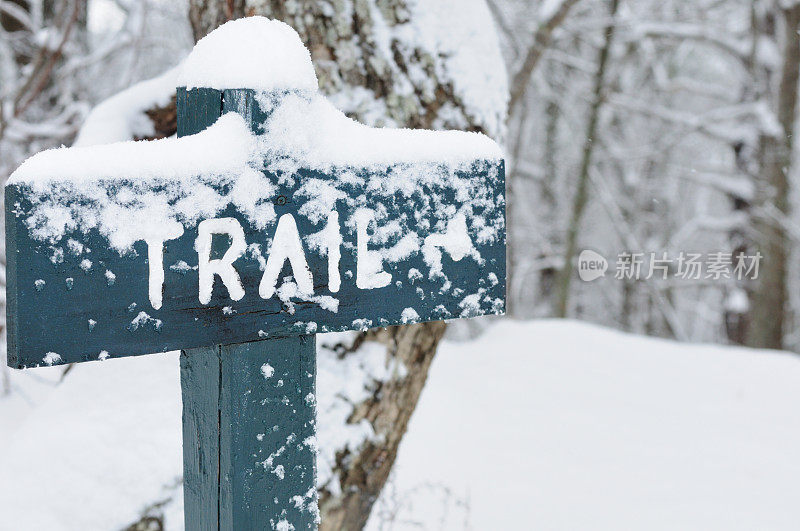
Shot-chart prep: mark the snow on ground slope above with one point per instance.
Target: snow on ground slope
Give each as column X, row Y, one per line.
column 96, row 449
column 539, row 425
column 562, row 425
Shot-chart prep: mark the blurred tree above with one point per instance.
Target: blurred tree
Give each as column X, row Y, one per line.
column 590, row 141
column 770, row 299
column 548, row 18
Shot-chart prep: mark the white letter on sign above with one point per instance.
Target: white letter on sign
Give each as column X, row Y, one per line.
column 155, row 259
column 455, row 240
column 286, row 245
column 369, row 264
column 223, row 267
column 333, row 242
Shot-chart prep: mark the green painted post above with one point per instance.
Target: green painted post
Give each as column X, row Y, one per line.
column 249, row 410
column 248, row 435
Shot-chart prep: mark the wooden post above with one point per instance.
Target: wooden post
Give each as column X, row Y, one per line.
column 249, row 446
column 249, row 409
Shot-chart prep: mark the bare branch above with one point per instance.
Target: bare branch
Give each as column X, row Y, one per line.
column 736, row 48
column 631, row 242
column 502, row 23
column 541, row 39
column 38, row 80
column 701, row 123
column 17, row 13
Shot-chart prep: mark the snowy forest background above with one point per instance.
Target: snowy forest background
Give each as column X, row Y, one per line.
column 649, row 126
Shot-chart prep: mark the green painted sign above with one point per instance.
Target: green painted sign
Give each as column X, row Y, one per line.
column 271, row 218
column 351, row 248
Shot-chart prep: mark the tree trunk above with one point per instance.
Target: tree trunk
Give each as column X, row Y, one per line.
column 343, row 47
column 581, row 193
column 766, row 328
column 517, row 118
column 549, row 195
column 205, row 15
column 362, row 476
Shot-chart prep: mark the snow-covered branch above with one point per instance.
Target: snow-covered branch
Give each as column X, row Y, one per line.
column 738, row 48
column 552, row 14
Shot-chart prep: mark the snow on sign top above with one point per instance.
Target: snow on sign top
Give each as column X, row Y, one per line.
column 225, row 147
column 303, row 126
column 159, row 184
column 317, row 210
column 252, row 52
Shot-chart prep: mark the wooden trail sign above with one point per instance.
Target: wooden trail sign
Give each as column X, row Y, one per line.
column 271, row 219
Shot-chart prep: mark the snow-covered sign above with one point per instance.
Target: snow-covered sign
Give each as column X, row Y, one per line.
column 282, row 218
column 271, row 216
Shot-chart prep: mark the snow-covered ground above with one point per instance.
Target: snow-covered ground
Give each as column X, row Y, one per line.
column 538, row 425
column 564, row 425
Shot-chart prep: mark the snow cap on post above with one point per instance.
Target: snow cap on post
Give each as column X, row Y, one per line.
column 255, row 53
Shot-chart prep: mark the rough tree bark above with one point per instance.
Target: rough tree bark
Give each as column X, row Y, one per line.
column 770, row 298
column 206, row 15
column 362, row 476
column 341, row 36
